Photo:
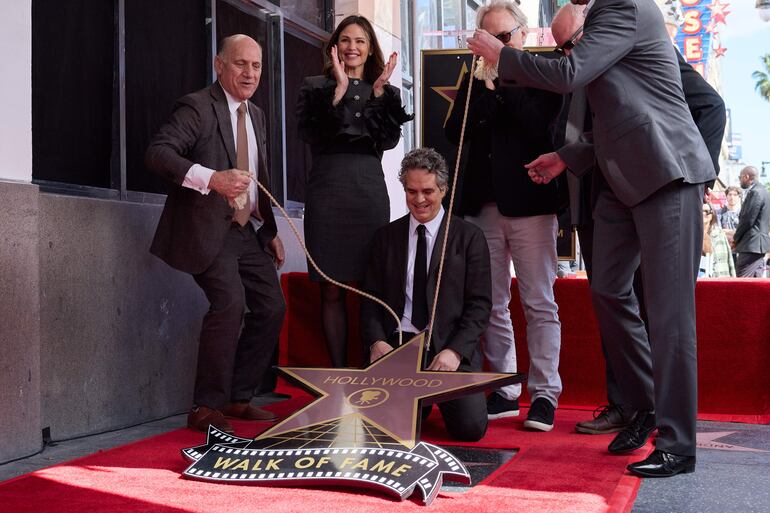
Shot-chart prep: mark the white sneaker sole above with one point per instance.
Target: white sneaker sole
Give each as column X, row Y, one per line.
column 502, row 415
column 538, row 426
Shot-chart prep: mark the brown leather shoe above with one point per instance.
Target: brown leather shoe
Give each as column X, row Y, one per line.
column 248, row 412
column 201, row 417
column 607, row 419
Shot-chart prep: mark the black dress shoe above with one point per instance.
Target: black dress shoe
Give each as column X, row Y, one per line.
column 663, row 464
column 635, row 435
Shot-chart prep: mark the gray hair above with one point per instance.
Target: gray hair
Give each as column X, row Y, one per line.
column 512, row 7
column 427, row 159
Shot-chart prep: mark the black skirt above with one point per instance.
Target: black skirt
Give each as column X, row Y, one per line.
column 346, row 202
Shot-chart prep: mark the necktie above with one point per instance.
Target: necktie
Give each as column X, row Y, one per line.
column 420, row 282
column 242, row 162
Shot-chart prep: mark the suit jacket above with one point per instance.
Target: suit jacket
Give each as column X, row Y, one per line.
column 643, row 132
column 506, row 128
column 706, row 107
column 465, row 298
column 193, row 226
column 754, row 222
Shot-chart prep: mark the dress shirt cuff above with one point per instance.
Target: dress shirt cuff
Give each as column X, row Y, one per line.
column 198, row 178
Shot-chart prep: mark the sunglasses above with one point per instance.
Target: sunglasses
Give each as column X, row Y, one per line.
column 707, row 212
column 505, row 37
column 570, row 43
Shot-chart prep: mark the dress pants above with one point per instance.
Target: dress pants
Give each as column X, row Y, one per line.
column 231, row 360
column 465, row 418
column 530, row 243
column 658, row 372
column 750, row 265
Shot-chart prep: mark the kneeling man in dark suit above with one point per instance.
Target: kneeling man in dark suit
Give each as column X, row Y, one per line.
column 402, row 271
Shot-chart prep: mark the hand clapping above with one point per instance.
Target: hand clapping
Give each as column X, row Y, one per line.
column 338, row 69
column 379, row 85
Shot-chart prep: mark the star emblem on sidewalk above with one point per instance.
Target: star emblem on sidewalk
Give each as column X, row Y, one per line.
column 709, row 441
column 386, row 394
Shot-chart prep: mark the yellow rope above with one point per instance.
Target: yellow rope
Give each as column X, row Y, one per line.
column 451, row 203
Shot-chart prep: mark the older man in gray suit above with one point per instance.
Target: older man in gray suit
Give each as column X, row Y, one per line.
column 751, row 240
column 653, row 166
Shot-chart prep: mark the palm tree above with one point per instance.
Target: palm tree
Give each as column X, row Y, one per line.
column 763, row 78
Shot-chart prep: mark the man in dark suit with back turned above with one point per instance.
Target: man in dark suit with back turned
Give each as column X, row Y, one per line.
column 402, row 271
column 654, row 164
column 708, row 112
column 219, row 228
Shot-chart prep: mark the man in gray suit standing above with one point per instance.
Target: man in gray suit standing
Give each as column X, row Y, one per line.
column 653, row 165
column 751, row 240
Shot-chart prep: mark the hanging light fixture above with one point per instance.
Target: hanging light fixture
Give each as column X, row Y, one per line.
column 763, row 6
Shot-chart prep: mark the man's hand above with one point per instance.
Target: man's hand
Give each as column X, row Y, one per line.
column 445, row 360
column 275, row 248
column 486, row 45
column 378, row 350
column 230, row 183
column 545, row 168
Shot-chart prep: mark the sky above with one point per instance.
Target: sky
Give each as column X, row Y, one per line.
column 746, row 38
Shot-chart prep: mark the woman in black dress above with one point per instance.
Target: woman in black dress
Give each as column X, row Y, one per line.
column 349, row 116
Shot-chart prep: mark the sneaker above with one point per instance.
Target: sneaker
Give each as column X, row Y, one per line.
column 607, row 419
column 499, row 407
column 540, row 415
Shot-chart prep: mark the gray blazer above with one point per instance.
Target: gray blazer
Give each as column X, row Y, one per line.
column 754, row 222
column 643, row 134
column 193, row 226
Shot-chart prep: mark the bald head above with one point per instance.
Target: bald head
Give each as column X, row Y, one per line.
column 227, row 44
column 566, row 22
column 239, row 66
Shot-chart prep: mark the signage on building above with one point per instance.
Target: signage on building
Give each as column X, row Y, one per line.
column 698, row 34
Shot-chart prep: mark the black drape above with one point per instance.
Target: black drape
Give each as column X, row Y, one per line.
column 72, row 91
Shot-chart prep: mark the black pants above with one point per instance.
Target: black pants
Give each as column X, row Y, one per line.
column 231, row 360
column 465, row 418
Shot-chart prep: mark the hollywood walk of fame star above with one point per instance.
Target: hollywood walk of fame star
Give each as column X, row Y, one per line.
column 709, row 441
column 449, row 93
column 386, row 394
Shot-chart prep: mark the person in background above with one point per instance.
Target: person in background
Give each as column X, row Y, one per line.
column 729, row 214
column 349, row 115
column 506, row 128
column 751, row 240
column 715, row 246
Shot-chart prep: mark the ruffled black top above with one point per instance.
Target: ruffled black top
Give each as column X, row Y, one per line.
column 359, row 123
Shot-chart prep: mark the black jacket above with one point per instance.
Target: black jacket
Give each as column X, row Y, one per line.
column 506, row 128
column 465, row 298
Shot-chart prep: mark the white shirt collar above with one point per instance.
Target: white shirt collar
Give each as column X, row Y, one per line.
column 233, row 103
column 431, row 226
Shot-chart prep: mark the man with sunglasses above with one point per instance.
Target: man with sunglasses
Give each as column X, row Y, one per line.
column 653, row 165
column 506, row 128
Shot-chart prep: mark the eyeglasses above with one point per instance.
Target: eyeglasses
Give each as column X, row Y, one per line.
column 570, row 43
column 505, row 37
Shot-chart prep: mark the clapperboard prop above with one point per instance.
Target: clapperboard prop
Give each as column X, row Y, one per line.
column 361, row 431
column 442, row 72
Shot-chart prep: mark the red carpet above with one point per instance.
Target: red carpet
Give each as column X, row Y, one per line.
column 733, row 322
column 555, row 472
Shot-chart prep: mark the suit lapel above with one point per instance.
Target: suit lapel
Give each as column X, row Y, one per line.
column 223, row 120
column 401, row 248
